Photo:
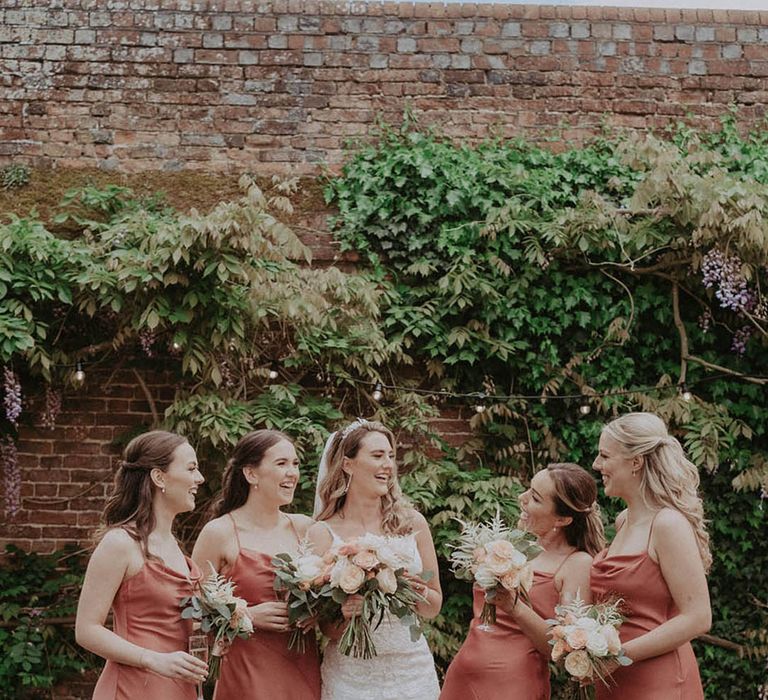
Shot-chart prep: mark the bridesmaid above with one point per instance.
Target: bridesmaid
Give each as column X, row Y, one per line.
column 247, row 530
column 509, row 661
column 657, row 562
column 139, row 571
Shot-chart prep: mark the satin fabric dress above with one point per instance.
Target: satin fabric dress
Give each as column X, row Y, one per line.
column 262, row 667
column 146, row 612
column 503, row 663
column 638, row 580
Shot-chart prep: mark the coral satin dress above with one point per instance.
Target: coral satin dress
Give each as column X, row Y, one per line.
column 503, row 663
column 638, row 580
column 146, row 612
column 262, row 667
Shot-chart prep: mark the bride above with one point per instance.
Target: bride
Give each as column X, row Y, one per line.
column 358, row 493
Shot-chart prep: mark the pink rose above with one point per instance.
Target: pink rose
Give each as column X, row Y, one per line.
column 479, row 555
column 558, row 632
column 558, row 649
column 576, row 638
column 365, row 559
column 387, row 580
column 577, row 663
column 352, row 577
column 501, row 549
column 349, row 549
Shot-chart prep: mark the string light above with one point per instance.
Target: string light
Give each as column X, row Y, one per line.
column 79, row 373
column 377, row 392
column 685, row 392
column 584, row 407
column 273, row 373
column 480, row 405
column 175, row 346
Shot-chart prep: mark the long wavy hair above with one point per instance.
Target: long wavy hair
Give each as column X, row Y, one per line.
column 130, row 504
column 668, row 478
column 248, row 452
column 576, row 497
column 396, row 512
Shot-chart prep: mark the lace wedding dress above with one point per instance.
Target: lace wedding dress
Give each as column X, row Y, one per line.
column 401, row 670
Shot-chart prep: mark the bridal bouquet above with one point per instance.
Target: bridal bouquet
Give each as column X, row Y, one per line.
column 220, row 613
column 378, row 568
column 303, row 579
column 585, row 640
column 492, row 555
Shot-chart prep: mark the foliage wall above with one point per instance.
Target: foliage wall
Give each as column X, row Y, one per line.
column 531, row 282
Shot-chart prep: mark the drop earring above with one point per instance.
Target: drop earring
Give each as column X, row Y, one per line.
column 162, row 488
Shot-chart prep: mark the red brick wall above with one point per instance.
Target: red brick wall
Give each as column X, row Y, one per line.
column 246, row 85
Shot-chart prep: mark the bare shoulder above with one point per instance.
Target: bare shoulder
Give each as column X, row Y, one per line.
column 117, row 542
column 620, row 519
column 320, row 536
column 578, row 561
column 417, row 521
column 302, row 523
column 218, row 529
column 670, row 522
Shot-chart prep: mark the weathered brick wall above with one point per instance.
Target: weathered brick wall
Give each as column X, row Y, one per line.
column 246, row 84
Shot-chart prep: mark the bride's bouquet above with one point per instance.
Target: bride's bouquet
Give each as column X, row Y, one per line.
column 221, row 614
column 492, row 555
column 377, row 568
column 585, row 641
column 303, row 579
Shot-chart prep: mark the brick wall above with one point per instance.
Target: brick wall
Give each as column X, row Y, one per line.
column 245, row 84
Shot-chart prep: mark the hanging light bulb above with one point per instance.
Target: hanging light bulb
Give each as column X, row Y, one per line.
column 480, row 405
column 79, row 373
column 584, row 407
column 273, row 373
column 175, row 346
column 377, row 392
column 685, row 392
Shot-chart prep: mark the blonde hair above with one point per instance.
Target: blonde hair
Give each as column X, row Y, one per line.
column 669, row 479
column 396, row 512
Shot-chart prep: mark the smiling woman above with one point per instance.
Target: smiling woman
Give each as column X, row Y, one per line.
column 140, row 572
column 247, row 531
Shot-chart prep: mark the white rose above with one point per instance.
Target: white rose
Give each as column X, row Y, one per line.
column 484, row 578
column 587, row 623
column 611, row 635
column 337, row 570
column 352, row 577
column 597, row 644
column 308, row 567
column 399, row 553
column 387, row 580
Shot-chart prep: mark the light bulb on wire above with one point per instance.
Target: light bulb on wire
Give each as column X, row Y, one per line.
column 273, row 373
column 685, row 392
column 378, row 393
column 79, row 373
column 584, row 408
column 480, row 405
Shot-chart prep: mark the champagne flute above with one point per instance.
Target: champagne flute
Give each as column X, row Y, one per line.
column 198, row 647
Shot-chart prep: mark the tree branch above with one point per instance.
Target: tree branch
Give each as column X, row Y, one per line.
column 681, row 332
column 725, row 370
column 148, row 396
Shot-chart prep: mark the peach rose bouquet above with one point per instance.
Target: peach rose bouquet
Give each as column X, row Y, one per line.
column 585, row 641
column 381, row 570
column 492, row 555
column 222, row 615
column 302, row 580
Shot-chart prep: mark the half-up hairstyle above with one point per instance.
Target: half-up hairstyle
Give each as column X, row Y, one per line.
column 668, row 478
column 396, row 513
column 248, row 452
column 575, row 496
column 130, row 505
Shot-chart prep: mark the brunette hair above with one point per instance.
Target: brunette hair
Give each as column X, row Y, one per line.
column 668, row 478
column 130, row 504
column 575, row 496
column 248, row 452
column 396, row 513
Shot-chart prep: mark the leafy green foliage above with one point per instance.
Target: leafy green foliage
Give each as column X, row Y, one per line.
column 14, row 175
column 35, row 654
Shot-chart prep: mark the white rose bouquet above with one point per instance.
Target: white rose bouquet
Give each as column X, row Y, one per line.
column 585, row 640
column 303, row 580
column 492, row 555
column 379, row 569
column 221, row 614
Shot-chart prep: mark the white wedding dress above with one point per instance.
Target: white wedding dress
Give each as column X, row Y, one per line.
column 401, row 670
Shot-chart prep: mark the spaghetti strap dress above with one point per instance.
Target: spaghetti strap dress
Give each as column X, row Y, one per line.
column 638, row 580
column 262, row 667
column 502, row 663
column 146, row 612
